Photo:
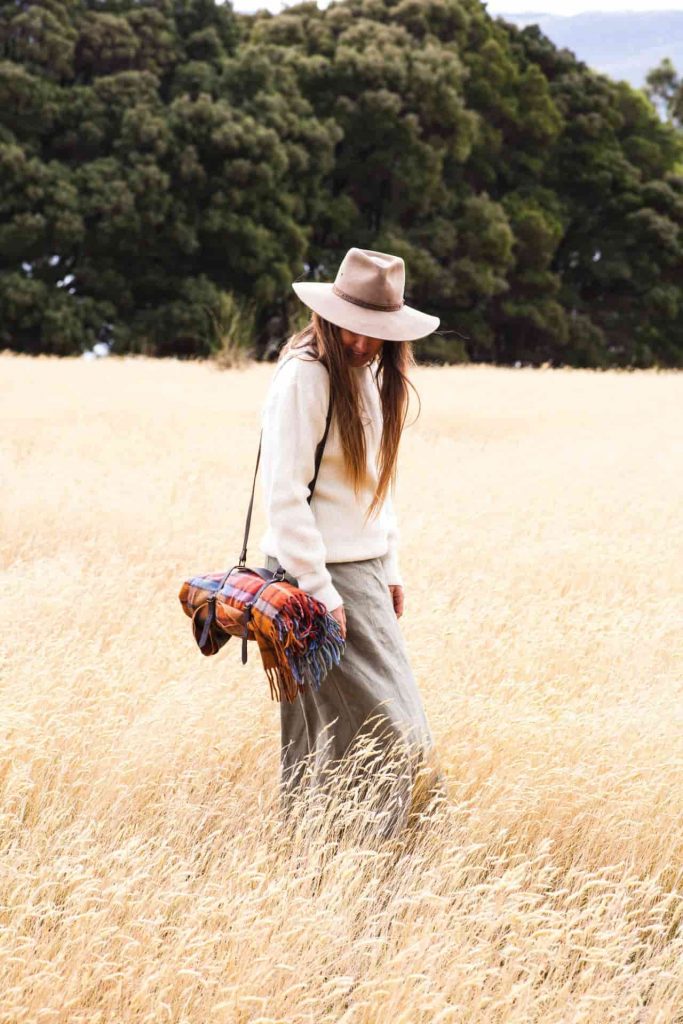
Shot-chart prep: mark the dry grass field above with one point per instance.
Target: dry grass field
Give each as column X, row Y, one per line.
column 144, row 877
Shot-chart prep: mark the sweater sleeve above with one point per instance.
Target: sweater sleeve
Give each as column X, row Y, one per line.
column 293, row 421
column 390, row 560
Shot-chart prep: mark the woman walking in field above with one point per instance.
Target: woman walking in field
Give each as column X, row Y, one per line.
column 342, row 547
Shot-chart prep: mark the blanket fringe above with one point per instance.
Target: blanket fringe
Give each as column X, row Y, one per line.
column 306, row 647
column 281, row 687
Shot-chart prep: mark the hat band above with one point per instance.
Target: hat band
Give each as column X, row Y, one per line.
column 389, row 308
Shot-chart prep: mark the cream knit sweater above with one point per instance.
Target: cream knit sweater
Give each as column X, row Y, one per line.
column 304, row 537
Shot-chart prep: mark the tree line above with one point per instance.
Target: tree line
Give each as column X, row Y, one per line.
column 168, row 167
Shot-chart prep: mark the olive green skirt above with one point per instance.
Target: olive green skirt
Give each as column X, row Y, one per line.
column 368, row 713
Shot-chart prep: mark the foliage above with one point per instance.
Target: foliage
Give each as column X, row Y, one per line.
column 158, row 157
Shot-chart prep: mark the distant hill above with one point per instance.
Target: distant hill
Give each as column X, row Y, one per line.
column 622, row 44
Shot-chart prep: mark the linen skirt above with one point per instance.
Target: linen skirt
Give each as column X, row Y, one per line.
column 367, row 715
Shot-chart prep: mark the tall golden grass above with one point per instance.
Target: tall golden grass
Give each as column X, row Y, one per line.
column 145, row 874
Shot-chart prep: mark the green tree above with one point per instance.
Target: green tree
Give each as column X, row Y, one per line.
column 170, row 166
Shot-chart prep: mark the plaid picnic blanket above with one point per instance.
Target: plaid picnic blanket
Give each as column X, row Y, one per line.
column 299, row 641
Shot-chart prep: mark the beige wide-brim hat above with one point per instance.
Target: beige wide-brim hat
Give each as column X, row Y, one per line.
column 366, row 297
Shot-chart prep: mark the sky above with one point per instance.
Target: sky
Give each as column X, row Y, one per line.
column 512, row 6
column 579, row 6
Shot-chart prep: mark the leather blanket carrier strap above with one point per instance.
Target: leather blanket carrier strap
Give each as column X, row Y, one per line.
column 267, row 575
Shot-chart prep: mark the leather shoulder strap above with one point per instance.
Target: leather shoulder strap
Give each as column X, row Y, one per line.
column 318, row 459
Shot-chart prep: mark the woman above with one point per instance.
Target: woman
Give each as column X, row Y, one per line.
column 343, row 547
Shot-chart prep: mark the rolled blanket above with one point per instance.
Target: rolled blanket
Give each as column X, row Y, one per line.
column 298, row 639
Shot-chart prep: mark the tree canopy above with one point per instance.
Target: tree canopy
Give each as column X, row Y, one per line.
column 164, row 163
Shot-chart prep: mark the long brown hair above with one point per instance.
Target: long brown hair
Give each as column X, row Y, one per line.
column 395, row 359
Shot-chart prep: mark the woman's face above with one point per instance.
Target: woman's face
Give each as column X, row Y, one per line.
column 359, row 348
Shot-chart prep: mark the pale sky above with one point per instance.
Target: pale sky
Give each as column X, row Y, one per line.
column 511, row 6
column 579, row 6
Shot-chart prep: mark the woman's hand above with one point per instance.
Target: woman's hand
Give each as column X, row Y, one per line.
column 397, row 597
column 340, row 615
